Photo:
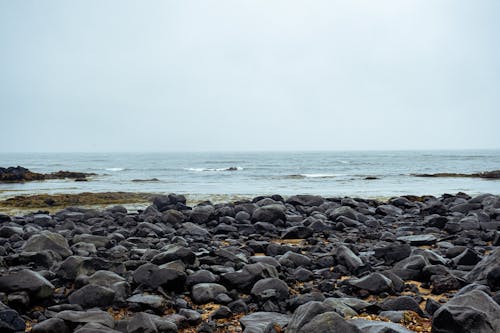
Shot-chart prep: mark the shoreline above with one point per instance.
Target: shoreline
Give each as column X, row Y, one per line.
column 403, row 264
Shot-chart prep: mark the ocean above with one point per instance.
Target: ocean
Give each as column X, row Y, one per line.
column 222, row 175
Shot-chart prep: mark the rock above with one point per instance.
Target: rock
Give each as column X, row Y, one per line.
column 148, row 301
column 481, row 270
column 244, row 279
column 418, row 240
column 221, row 312
column 346, row 257
column 342, row 211
column 305, row 313
column 372, row 326
column 471, row 312
column 468, row 257
column 174, row 252
column 340, row 307
column 393, row 252
column 95, row 328
column 141, row 323
column 375, row 283
column 257, row 322
column 27, row 280
column 297, row 232
column 201, row 276
column 329, row 322
column 401, row 303
column 153, row 277
column 47, row 240
column 202, row 214
column 270, row 288
column 91, row 296
column 89, row 316
column 269, row 213
column 11, row 321
column 105, row 278
column 50, row 326
column 388, row 210
column 205, row 292
column 293, row 259
column 305, row 200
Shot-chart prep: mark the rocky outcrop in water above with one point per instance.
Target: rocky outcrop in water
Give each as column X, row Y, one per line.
column 20, row 174
column 486, row 175
column 302, row 264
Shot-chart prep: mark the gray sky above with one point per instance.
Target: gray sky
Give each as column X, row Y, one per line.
column 249, row 75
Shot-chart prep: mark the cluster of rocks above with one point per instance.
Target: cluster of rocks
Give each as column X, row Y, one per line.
column 495, row 174
column 304, row 264
column 20, row 174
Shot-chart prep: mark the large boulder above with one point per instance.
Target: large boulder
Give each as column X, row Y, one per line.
column 47, row 240
column 471, row 312
column 91, row 296
column 27, row 280
column 270, row 287
column 484, row 267
column 153, row 277
column 269, row 213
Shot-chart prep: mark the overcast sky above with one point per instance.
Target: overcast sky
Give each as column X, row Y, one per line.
column 249, row 75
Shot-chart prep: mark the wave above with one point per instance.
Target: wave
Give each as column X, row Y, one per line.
column 214, row 169
column 114, row 169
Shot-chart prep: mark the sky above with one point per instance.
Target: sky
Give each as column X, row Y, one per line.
column 145, row 76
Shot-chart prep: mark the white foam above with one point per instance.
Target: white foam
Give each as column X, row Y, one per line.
column 114, row 169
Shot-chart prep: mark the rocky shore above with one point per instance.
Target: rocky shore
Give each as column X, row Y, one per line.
column 267, row 265
column 20, row 174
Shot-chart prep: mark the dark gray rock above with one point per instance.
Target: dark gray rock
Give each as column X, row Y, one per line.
column 329, row 322
column 297, row 232
column 141, row 323
column 375, row 283
column 89, row 316
column 472, row 312
column 91, row 296
column 418, row 240
column 50, row 326
column 47, row 240
column 270, row 288
column 202, row 214
column 257, row 322
column 269, row 213
column 205, row 292
column 153, row 277
column 11, row 321
column 27, row 280
column 372, row 326
column 305, row 200
column 304, row 314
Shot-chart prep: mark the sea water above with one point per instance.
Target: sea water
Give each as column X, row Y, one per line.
column 220, row 174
